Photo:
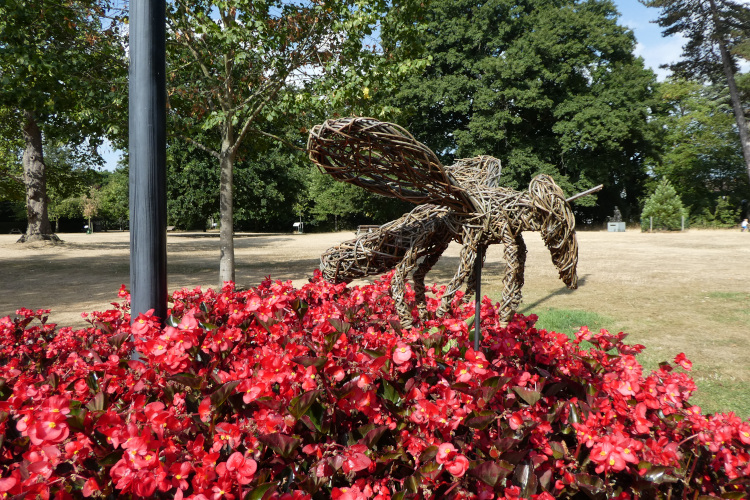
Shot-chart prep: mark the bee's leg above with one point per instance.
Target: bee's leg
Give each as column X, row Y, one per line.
column 515, row 261
column 419, row 289
column 468, row 254
column 398, row 285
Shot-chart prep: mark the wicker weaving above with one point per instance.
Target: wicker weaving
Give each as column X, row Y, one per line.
column 461, row 203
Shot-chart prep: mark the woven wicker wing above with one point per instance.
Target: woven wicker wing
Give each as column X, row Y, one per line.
column 385, row 159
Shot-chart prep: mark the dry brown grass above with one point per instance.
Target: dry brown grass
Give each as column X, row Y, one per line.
column 673, row 292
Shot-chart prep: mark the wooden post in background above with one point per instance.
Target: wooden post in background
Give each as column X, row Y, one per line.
column 147, row 150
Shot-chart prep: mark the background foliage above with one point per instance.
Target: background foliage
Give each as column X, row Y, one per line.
column 545, row 86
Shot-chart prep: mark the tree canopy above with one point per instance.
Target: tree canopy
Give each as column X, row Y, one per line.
column 58, row 63
column 701, row 154
column 235, row 68
column 546, row 86
column 717, row 31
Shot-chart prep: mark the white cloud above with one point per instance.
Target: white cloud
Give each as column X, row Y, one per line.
column 664, row 51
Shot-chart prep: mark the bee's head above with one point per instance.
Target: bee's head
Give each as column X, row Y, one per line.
column 557, row 225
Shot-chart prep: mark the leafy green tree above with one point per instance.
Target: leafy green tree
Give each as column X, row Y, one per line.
column 192, row 186
column 333, row 204
column 90, row 205
column 716, row 32
column 663, row 209
column 11, row 169
column 547, row 86
column 268, row 183
column 115, row 199
column 701, row 155
column 57, row 64
column 235, row 68
column 332, row 199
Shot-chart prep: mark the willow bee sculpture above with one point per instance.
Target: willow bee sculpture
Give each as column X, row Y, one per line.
column 461, row 203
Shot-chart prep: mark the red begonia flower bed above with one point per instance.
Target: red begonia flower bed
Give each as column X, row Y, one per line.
column 277, row 392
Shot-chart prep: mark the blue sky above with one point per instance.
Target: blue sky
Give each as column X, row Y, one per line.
column 655, row 49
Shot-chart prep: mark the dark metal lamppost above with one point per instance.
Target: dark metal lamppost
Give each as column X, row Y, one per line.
column 147, row 150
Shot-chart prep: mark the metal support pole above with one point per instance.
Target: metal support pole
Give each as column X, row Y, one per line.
column 147, row 150
column 478, row 296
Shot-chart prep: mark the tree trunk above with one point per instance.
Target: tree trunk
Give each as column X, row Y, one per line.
column 35, row 180
column 734, row 95
column 226, row 208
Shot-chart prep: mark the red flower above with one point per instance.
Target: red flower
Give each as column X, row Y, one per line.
column 90, row 487
column 614, row 452
column 451, row 460
column 239, row 466
column 355, row 459
column 681, row 360
column 180, row 472
column 402, row 353
column 50, row 428
column 352, row 493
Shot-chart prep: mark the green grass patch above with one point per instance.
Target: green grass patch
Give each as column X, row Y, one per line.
column 719, row 391
column 569, row 321
column 735, row 304
column 731, row 296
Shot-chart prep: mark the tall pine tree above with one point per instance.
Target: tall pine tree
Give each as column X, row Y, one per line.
column 663, row 209
column 714, row 30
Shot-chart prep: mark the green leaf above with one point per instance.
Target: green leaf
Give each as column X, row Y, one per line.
column 265, row 324
column 259, row 491
column 526, row 479
column 172, row 321
column 306, row 361
column 469, row 324
column 573, row 416
column 592, row 485
column 372, row 437
column 373, row 353
column 118, row 339
column 316, row 414
column 480, row 421
column 390, row 393
column 660, row 475
column 412, row 484
column 281, row 443
column 300, row 307
column 529, row 395
column 340, row 325
column 99, row 402
column 558, row 449
column 303, row 402
column 220, row 395
column 76, row 419
column 491, row 471
column 497, row 381
column 428, row 454
column 111, row 459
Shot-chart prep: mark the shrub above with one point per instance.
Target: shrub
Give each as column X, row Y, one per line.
column 665, row 207
column 724, row 216
column 275, row 392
